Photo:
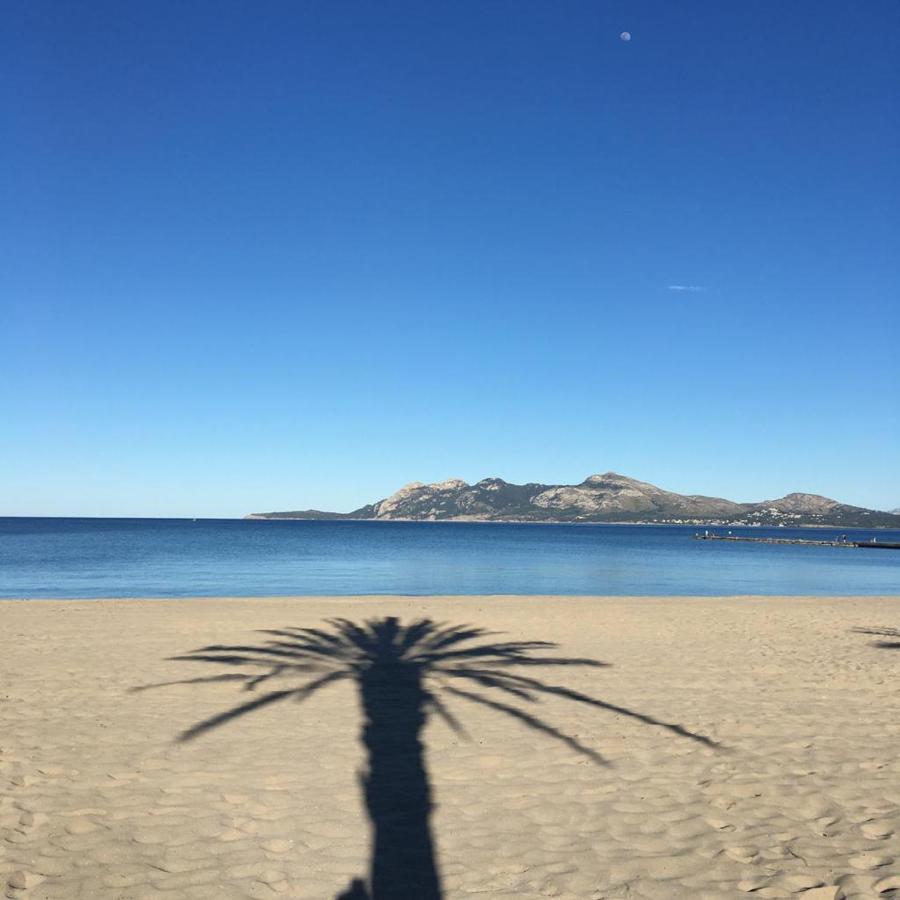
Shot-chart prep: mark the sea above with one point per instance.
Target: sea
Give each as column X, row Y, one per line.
column 158, row 558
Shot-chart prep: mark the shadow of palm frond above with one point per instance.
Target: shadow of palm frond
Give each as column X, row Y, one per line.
column 883, row 632
column 403, row 673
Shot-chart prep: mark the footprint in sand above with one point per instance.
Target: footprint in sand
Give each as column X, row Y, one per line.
column 826, row 892
column 800, row 884
column 278, row 845
column 867, row 861
column 744, row 855
column 24, row 881
column 877, row 830
column 888, row 887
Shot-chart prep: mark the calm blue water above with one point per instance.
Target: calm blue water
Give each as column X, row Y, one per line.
column 175, row 557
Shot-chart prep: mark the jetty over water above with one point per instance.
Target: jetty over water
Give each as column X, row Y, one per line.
column 839, row 542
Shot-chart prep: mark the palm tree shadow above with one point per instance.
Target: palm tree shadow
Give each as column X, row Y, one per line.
column 402, row 672
column 883, row 632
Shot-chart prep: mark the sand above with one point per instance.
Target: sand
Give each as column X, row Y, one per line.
column 730, row 747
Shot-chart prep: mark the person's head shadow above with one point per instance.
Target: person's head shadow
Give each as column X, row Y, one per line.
column 892, row 633
column 403, row 673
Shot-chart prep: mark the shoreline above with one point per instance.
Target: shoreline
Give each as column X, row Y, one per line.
column 412, row 598
column 458, row 520
column 455, row 521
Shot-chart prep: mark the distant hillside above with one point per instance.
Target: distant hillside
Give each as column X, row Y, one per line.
column 599, row 498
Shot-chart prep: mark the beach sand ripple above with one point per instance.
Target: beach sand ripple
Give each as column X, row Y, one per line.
column 798, row 797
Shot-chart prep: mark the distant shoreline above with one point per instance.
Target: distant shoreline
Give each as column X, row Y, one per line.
column 454, row 521
column 598, row 499
column 458, row 521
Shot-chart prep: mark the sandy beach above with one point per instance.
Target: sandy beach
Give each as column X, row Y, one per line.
column 726, row 747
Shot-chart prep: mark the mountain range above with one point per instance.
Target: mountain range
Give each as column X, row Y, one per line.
column 609, row 497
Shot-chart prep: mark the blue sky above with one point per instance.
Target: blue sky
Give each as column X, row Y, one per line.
column 289, row 255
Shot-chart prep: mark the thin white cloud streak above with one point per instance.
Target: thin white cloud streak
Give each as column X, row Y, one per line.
column 685, row 287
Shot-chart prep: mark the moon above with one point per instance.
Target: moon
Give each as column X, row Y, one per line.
column 625, row 36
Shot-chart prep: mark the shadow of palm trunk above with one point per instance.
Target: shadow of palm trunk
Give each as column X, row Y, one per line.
column 396, row 788
column 401, row 672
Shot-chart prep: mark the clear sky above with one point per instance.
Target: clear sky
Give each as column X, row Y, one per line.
column 277, row 255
